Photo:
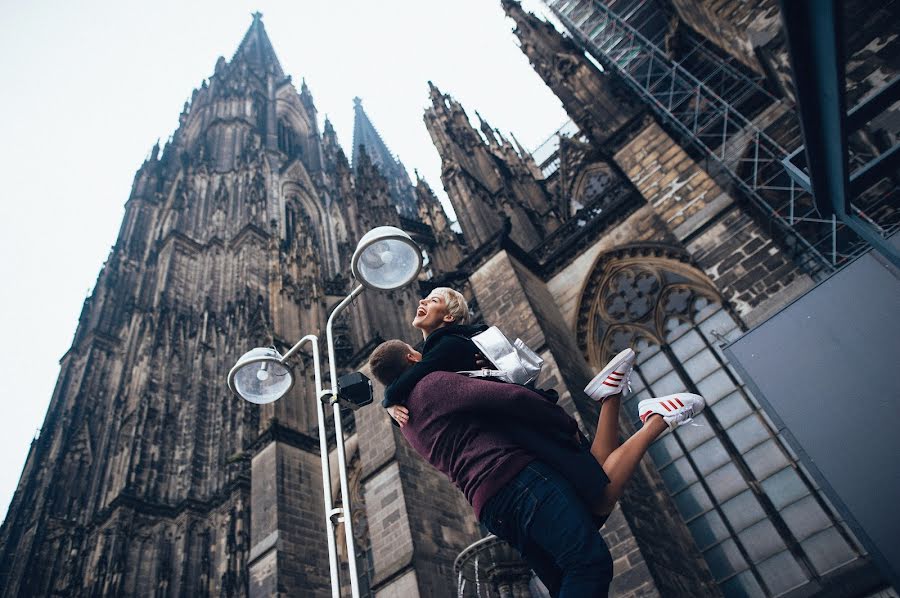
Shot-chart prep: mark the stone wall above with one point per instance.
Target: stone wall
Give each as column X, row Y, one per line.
column 751, row 31
column 741, row 258
column 288, row 543
column 567, row 285
column 736, row 26
column 418, row 521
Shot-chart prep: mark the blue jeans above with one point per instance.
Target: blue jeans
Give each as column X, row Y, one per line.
column 539, row 513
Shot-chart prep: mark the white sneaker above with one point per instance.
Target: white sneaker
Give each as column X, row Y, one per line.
column 615, row 378
column 675, row 409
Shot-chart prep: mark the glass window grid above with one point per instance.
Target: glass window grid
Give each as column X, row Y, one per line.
column 754, row 570
column 782, row 573
column 823, row 551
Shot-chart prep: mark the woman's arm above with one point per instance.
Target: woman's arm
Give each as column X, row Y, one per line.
column 450, row 354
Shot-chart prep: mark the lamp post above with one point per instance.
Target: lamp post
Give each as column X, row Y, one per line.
column 386, row 258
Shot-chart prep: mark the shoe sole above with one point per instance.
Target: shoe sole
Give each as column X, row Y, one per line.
column 597, row 382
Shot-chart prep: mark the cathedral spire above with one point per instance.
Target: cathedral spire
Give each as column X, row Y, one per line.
column 366, row 136
column 485, row 179
column 256, row 49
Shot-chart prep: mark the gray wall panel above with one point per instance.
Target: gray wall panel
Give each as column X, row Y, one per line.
column 827, row 368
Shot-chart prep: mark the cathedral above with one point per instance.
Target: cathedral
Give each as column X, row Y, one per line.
column 631, row 227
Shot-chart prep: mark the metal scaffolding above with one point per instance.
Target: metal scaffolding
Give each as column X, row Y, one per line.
column 546, row 155
column 719, row 109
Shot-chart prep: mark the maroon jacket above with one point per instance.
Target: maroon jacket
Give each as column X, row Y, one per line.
column 454, row 423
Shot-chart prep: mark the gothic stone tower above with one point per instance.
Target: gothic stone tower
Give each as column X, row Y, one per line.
column 148, row 476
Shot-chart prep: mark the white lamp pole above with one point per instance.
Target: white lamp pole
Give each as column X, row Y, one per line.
column 386, row 258
column 344, row 509
column 326, row 465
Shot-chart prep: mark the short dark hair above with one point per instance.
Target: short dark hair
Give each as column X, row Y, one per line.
column 388, row 360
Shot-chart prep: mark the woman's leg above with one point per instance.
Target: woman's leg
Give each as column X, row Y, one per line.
column 606, row 439
column 607, row 387
column 621, row 462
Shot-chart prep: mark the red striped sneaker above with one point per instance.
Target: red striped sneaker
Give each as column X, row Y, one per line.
column 675, row 409
column 615, row 378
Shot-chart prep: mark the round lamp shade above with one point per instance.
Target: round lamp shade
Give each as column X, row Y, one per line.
column 260, row 377
column 386, row 258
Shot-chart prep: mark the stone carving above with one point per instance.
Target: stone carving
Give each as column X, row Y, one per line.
column 630, row 294
column 632, row 298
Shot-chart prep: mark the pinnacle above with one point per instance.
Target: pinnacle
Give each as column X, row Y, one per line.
column 369, row 148
column 511, row 5
column 256, row 48
column 365, row 134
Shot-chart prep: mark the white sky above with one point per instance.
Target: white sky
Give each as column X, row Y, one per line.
column 88, row 87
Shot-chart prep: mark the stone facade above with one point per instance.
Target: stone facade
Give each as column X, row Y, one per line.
column 149, row 477
column 744, row 261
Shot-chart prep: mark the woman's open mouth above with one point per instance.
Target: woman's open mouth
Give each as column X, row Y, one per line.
column 420, row 312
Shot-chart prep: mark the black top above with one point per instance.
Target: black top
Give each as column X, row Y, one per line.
column 447, row 349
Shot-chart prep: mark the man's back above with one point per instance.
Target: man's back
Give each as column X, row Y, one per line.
column 455, row 424
column 469, row 450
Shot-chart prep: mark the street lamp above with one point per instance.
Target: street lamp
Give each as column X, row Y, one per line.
column 386, row 258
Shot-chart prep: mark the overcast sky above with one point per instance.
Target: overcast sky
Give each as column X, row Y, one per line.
column 88, row 88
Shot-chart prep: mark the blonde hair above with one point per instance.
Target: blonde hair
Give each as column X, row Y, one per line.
column 456, row 303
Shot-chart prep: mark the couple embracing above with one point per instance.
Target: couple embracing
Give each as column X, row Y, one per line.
column 518, row 457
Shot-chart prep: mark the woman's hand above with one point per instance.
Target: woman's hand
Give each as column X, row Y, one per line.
column 481, row 362
column 399, row 413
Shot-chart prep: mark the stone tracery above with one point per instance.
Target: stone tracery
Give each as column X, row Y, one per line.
column 636, row 296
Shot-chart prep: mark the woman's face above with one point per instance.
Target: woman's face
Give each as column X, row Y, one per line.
column 431, row 314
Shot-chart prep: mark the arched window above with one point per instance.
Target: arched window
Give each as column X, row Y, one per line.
column 290, row 222
column 755, row 515
column 286, row 141
column 593, row 182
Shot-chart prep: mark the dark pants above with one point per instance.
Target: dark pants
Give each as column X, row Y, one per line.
column 539, row 513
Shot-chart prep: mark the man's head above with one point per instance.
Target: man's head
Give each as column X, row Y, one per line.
column 442, row 307
column 392, row 358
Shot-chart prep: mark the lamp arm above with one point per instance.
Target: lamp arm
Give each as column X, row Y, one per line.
column 339, row 441
column 314, row 341
column 329, row 335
